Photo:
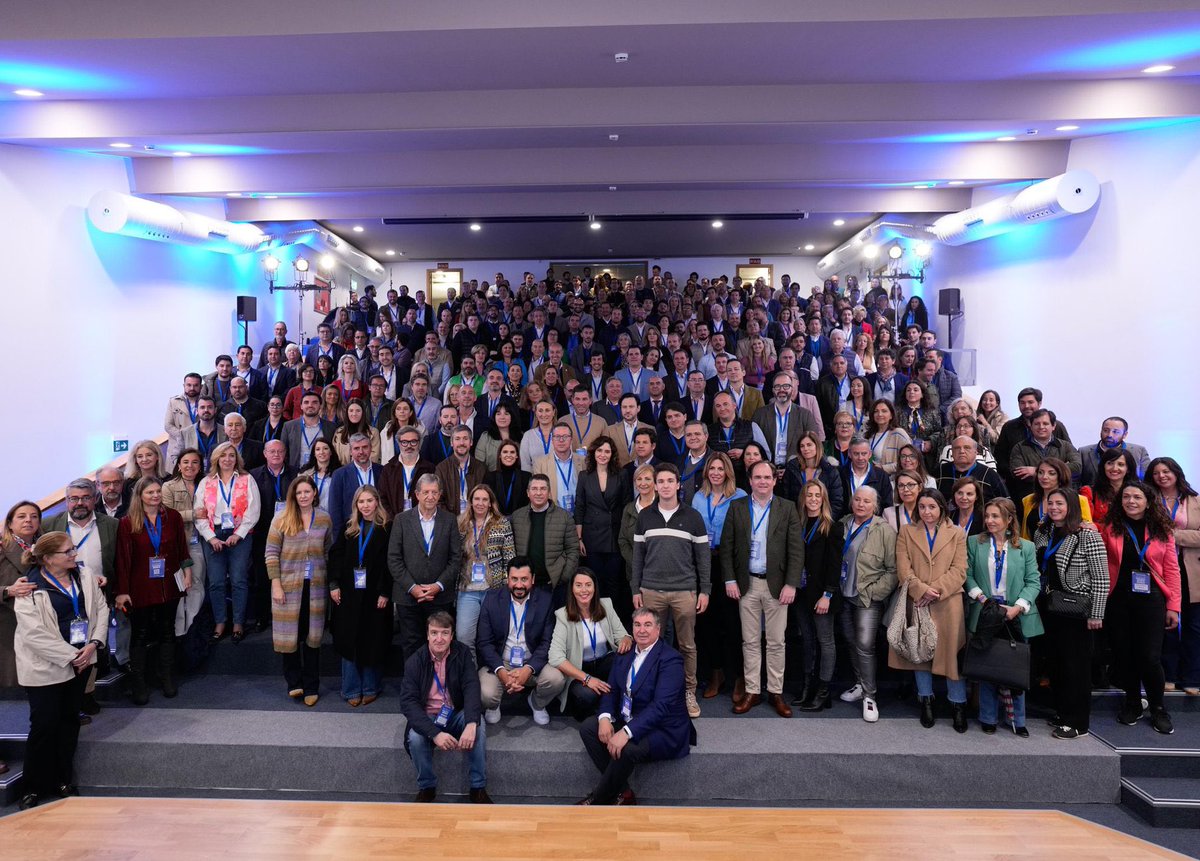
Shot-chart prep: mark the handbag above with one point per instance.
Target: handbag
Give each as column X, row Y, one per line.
column 1002, row 661
column 1068, row 604
column 912, row 638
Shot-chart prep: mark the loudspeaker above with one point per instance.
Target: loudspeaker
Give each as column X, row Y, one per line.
column 247, row 309
column 949, row 302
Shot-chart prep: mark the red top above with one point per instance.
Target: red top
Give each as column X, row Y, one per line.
column 1161, row 559
column 134, row 551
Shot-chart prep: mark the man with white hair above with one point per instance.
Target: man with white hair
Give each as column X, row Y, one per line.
column 235, row 432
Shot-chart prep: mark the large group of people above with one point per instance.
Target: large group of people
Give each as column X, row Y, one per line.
column 533, row 488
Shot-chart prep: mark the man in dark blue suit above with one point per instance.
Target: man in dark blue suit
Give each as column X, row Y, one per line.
column 349, row 478
column 516, row 623
column 642, row 718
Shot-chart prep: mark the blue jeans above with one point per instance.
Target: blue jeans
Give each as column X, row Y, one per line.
column 467, row 622
column 989, row 705
column 359, row 681
column 234, row 563
column 956, row 689
column 421, row 750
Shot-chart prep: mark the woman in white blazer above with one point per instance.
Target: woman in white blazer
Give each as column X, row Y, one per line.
column 587, row 635
column 60, row 627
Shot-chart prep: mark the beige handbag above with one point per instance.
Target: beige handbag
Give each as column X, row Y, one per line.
column 912, row 637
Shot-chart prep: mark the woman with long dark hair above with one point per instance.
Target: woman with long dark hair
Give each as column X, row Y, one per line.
column 808, row 465
column 599, row 501
column 914, row 314
column 1172, row 491
column 920, row 420
column 1116, row 467
column 505, row 425
column 587, row 635
column 1050, row 474
column 1143, row 599
column 966, row 505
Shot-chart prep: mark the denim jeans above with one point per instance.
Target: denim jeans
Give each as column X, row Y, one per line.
column 421, row 750
column 467, row 623
column 989, row 705
column 359, row 681
column 956, row 689
column 234, row 563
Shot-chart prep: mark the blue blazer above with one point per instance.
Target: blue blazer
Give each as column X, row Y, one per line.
column 495, row 619
column 659, row 712
column 341, row 493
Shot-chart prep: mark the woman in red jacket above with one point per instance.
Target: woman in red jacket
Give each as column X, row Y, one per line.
column 1143, row 601
column 151, row 547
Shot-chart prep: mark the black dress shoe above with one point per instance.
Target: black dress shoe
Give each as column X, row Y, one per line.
column 90, row 706
column 84, row 719
column 927, row 717
column 28, row 801
column 425, row 796
column 988, row 728
column 218, row 636
column 67, row 790
column 1021, row 732
column 238, row 636
column 480, row 796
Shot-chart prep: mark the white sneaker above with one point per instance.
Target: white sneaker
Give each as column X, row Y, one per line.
column 541, row 717
column 492, row 715
column 870, row 710
column 853, row 695
column 693, row 707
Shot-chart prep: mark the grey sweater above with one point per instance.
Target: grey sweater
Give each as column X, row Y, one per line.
column 671, row 555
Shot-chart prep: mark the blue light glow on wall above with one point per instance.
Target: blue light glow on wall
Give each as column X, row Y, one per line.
column 1132, row 52
column 56, row 78
column 213, row 149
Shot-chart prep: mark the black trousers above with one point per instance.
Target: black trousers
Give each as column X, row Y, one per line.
column 302, row 668
column 1136, row 625
column 582, row 702
column 719, row 630
column 153, row 624
column 1069, row 650
column 614, row 773
column 53, row 734
column 413, row 619
column 611, row 582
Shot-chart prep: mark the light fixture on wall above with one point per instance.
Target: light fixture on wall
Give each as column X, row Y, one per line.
column 271, row 267
column 923, row 250
column 593, row 223
column 27, row 93
column 838, row 222
column 476, row 227
column 895, row 252
column 871, row 252
column 718, row 224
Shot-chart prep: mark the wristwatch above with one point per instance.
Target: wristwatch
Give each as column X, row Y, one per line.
column 827, row 596
column 100, row 646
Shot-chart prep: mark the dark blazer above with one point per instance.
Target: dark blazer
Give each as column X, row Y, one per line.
column 706, row 409
column 827, row 399
column 411, row 566
column 448, row 472
column 876, row 478
column 462, row 685
column 362, row 632
column 510, row 488
column 107, row 529
column 251, row 451
column 665, row 450
column 312, row 353
column 285, row 378
column 993, row 486
column 791, row 486
column 660, row 715
column 341, row 493
column 785, row 545
column 262, row 354
column 252, row 410
column 432, row 448
column 671, row 390
column 899, row 381
column 267, row 496
column 822, row 567
column 599, row 512
column 260, row 433
column 646, row 412
column 495, row 620
column 799, row 421
column 392, row 487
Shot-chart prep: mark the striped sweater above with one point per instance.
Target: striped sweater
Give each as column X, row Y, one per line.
column 671, row 555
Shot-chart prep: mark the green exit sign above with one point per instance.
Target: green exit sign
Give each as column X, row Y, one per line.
column 120, row 446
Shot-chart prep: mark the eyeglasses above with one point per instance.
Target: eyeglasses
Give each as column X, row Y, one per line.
column 908, row 485
column 73, row 500
column 411, row 443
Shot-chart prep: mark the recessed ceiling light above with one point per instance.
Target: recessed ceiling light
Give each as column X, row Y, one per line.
column 614, row 137
column 477, row 227
column 234, row 194
column 1157, row 70
column 358, row 228
column 120, row 145
column 595, row 225
column 391, row 252
column 1066, row 128
column 1006, row 138
column 27, row 93
column 181, row 154
column 718, row 224
column 809, row 247
column 838, row 222
column 955, row 182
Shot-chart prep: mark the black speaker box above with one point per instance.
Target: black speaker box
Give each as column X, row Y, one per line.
column 247, row 308
column 949, row 302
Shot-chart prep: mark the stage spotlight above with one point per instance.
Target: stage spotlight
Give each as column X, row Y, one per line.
column 923, row 249
column 870, row 252
column 301, row 265
column 271, row 263
column 895, row 252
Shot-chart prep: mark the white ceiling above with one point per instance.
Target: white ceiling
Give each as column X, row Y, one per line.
column 370, row 109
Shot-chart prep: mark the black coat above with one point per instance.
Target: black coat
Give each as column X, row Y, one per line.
column 361, row 631
column 822, row 568
column 500, row 481
column 599, row 512
column 462, row 686
column 791, row 486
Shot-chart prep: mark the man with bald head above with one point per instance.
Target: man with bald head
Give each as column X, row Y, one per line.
column 964, row 463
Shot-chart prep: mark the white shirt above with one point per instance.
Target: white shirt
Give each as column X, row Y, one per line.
column 639, row 658
column 88, row 556
column 520, row 608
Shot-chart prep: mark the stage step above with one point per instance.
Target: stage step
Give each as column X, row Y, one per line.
column 12, row 751
column 1164, row 802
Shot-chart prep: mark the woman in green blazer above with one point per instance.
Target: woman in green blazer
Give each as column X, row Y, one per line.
column 587, row 635
column 1003, row 566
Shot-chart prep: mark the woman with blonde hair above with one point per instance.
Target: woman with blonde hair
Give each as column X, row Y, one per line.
column 179, row 493
column 145, row 461
column 360, row 586
column 298, row 539
column 487, row 541
column 348, row 382
column 333, row 406
column 819, row 598
column 61, row 624
column 227, row 510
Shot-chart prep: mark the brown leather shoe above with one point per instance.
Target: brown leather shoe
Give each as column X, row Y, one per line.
column 780, row 705
column 714, row 684
column 626, row 799
column 739, row 690
column 748, row 702
column 3, row 767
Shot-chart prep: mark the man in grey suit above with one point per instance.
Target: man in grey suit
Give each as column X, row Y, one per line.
column 300, row 433
column 783, row 414
column 425, row 555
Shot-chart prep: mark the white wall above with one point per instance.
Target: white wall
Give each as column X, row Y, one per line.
column 1098, row 310
column 101, row 328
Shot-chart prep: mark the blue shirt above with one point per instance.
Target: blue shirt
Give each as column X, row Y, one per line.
column 758, row 537
column 714, row 515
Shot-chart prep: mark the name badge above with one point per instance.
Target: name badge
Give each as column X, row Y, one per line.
column 755, row 547
column 195, row 539
column 360, row 578
column 626, row 707
column 1141, row 582
column 845, row 571
column 78, row 632
column 227, row 520
column 158, row 568
column 407, row 504
column 712, row 538
column 462, row 505
column 308, row 570
column 803, row 577
column 582, row 452
column 569, row 502
column 479, row 572
column 517, row 658
column 279, row 506
column 444, row 714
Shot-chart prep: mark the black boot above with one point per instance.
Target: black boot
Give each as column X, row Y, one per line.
column 166, row 669
column 137, row 674
column 927, row 717
column 959, row 711
column 805, row 697
column 820, row 699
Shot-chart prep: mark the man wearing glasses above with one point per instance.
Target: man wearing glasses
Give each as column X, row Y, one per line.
column 399, row 477
column 783, row 421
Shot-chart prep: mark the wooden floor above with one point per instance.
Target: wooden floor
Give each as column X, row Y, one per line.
column 181, row 829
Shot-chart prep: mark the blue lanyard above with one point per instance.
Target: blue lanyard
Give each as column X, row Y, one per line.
column 428, row 542
column 545, row 442
column 709, row 503
column 272, row 373
column 738, row 399
column 677, row 444
column 850, row 538
column 492, row 404
column 445, row 445
column 462, row 478
column 635, row 381
column 224, row 395
column 363, row 540
column 441, row 688
column 575, row 419
column 191, row 412
column 375, row 413
column 781, row 425
column 591, row 632
column 695, row 469
column 931, row 539
column 761, row 517
column 1174, row 510
column 633, row 674
column 840, row 384
column 566, row 479
column 278, row 485
column 812, row 530
column 970, row 523
column 73, row 594
column 420, row 408
column 308, row 443
column 520, row 625
column 227, row 497
column 312, row 518
column 1139, row 546
column 728, row 434
column 597, row 388
column 475, row 530
column 155, row 532
column 511, row 485
column 998, row 555
column 320, row 483
column 858, row 420
column 361, row 481
column 1050, row 550
column 916, row 423
column 879, row 437
column 204, row 443
column 84, row 539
